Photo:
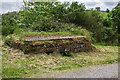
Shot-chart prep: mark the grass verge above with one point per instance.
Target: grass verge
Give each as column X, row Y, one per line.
column 18, row 65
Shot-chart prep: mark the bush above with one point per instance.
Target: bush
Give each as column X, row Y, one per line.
column 6, row 30
column 49, row 25
column 18, row 31
column 45, row 24
column 80, row 31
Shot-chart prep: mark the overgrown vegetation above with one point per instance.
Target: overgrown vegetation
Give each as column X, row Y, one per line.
column 16, row 64
column 55, row 18
column 60, row 17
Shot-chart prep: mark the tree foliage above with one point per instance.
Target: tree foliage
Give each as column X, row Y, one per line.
column 107, row 10
column 115, row 15
column 97, row 8
column 56, row 16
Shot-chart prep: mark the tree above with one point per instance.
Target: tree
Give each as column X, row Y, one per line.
column 115, row 18
column 32, row 11
column 115, row 15
column 107, row 10
column 97, row 8
column 75, row 13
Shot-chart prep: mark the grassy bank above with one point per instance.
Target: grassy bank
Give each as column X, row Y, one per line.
column 19, row 65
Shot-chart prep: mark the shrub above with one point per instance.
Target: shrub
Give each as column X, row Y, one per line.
column 45, row 24
column 6, row 30
column 18, row 31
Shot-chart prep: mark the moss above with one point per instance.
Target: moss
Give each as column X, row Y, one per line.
column 44, row 34
column 65, row 41
column 59, row 45
column 42, row 42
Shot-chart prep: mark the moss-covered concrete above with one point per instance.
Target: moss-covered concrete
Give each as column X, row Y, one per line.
column 70, row 44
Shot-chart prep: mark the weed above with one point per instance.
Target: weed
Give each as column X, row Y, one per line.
column 19, row 65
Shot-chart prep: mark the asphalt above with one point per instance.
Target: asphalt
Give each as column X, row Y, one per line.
column 101, row 71
column 98, row 71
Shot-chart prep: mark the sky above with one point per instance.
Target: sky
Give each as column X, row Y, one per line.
column 15, row 5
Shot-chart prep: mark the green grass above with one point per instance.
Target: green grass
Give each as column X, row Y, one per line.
column 73, row 31
column 19, row 65
column 27, row 34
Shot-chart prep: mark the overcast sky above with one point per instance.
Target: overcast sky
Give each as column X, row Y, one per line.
column 14, row 5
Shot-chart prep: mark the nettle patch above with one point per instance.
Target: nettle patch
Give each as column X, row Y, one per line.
column 37, row 44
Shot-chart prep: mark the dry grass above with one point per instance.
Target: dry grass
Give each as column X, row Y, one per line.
column 16, row 64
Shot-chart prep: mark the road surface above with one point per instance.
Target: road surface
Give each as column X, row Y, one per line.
column 99, row 71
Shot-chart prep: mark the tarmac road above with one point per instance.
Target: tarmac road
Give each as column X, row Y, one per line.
column 98, row 71
column 101, row 71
